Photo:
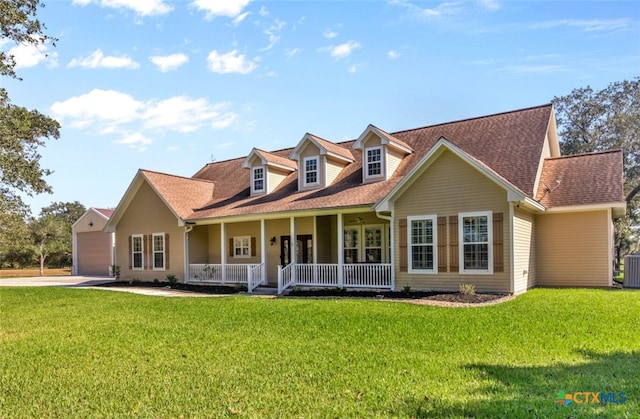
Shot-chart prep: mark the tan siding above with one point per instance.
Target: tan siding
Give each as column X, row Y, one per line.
column 277, row 229
column 94, row 253
column 334, row 169
column 450, row 186
column 275, row 178
column 523, row 248
column 326, row 241
column 215, row 249
column 251, row 229
column 572, row 249
column 147, row 214
column 199, row 245
column 394, row 158
column 89, row 222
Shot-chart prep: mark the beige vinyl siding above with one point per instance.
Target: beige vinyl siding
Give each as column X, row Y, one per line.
column 147, row 214
column 275, row 178
column 199, row 245
column 326, row 242
column 524, row 251
column 94, row 253
column 573, row 249
column 310, row 150
column 448, row 187
column 394, row 158
column 334, row 168
column 251, row 229
column 90, row 222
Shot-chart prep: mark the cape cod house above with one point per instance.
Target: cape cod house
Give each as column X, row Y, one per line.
column 488, row 201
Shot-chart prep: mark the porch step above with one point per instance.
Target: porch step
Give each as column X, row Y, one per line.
column 265, row 291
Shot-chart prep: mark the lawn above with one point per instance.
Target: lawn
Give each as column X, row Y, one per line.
column 79, row 353
column 20, row 273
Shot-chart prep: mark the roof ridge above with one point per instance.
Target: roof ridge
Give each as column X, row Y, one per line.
column 471, row 119
column 176, row 176
column 590, row 153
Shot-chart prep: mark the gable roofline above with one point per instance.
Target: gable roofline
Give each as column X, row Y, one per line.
column 326, row 148
column 134, row 186
column 513, row 193
column 94, row 210
column 270, row 159
column 385, row 137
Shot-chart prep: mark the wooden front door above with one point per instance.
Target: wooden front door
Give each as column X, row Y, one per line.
column 304, row 249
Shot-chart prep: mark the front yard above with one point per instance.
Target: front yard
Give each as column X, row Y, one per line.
column 79, row 353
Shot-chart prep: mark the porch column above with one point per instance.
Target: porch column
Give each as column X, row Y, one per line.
column 263, row 233
column 223, row 251
column 187, row 268
column 315, row 239
column 293, row 244
column 340, row 250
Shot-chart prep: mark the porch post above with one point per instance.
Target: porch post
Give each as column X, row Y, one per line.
column 263, row 233
column 314, row 239
column 293, row 244
column 223, row 251
column 187, row 269
column 340, row 250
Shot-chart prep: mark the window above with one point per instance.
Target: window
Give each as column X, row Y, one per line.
column 310, row 171
column 476, row 242
column 258, row 179
column 137, row 252
column 373, row 244
column 242, row 247
column 422, row 248
column 351, row 244
column 158, row 251
column 374, row 162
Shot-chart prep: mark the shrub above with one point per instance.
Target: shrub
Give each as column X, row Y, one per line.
column 173, row 280
column 467, row 289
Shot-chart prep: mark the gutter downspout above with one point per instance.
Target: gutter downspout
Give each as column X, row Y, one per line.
column 392, row 246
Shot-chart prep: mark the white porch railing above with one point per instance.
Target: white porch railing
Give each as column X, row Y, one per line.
column 285, row 277
column 220, row 274
column 255, row 277
column 365, row 275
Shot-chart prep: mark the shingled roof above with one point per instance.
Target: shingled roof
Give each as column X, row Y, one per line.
column 583, row 179
column 181, row 194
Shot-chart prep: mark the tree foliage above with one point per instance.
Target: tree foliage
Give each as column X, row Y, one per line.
column 607, row 119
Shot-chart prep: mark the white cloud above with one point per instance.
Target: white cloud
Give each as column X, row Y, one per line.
column 109, row 112
column 586, row 25
column 141, row 7
column 274, row 33
column 329, row 34
column 392, row 54
column 263, row 11
column 292, row 51
column 213, row 8
column 240, row 18
column 442, row 10
column 28, row 55
column 135, row 140
column 231, row 62
column 343, row 50
column 97, row 59
column 169, row 62
column 492, row 5
column 354, row 68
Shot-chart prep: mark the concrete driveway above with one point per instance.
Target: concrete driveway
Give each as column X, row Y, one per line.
column 60, row 281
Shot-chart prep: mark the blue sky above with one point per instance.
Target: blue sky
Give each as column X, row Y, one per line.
column 170, row 85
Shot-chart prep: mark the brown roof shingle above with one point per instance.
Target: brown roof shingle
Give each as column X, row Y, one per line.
column 106, row 212
column 181, row 194
column 509, row 143
column 583, row 179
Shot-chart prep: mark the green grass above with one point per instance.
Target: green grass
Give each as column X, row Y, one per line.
column 79, row 353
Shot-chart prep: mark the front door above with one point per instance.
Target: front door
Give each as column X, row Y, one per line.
column 304, row 249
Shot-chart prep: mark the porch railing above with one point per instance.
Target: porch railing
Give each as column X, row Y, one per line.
column 255, row 277
column 220, row 274
column 365, row 275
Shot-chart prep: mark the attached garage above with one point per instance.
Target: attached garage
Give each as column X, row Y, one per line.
column 92, row 247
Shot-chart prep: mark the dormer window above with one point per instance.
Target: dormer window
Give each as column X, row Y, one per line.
column 311, row 171
column 374, row 162
column 258, row 179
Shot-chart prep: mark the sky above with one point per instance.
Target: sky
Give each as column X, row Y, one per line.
column 171, row 85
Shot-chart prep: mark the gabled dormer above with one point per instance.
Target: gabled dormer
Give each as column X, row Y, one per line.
column 320, row 161
column 381, row 154
column 267, row 170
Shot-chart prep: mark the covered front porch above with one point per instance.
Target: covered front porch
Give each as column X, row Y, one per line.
column 348, row 249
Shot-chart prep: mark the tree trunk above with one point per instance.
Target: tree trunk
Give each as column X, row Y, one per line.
column 42, row 258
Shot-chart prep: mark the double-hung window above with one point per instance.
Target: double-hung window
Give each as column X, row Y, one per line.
column 476, row 242
column 158, row 251
column 310, row 171
column 351, row 244
column 373, row 244
column 422, row 247
column 258, row 179
column 374, row 162
column 137, row 251
column 242, row 246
